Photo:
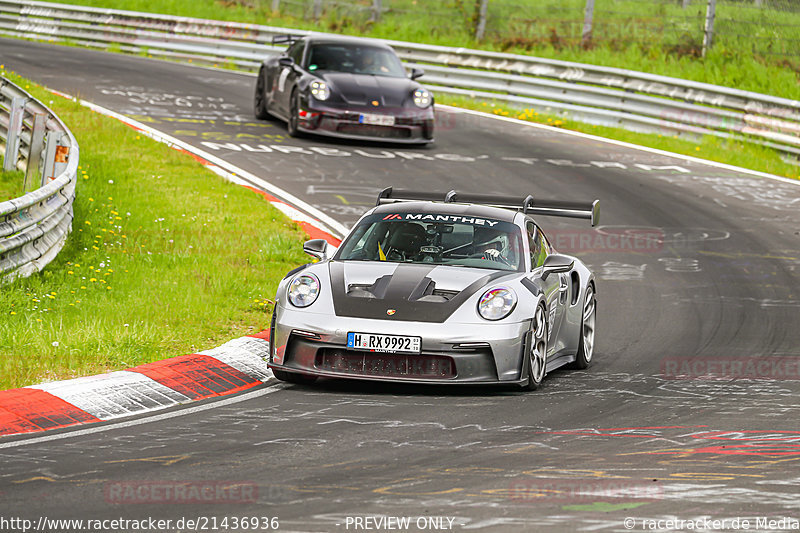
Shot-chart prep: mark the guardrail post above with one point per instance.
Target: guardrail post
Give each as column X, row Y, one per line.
column 481, row 29
column 317, row 9
column 708, row 31
column 376, row 11
column 35, row 153
column 588, row 16
column 15, row 115
column 276, row 5
column 56, row 155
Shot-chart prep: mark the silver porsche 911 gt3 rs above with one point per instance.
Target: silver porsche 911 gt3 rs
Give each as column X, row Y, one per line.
column 463, row 290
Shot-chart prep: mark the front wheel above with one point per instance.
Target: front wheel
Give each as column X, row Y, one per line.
column 291, row 377
column 260, row 100
column 293, row 126
column 537, row 352
column 586, row 344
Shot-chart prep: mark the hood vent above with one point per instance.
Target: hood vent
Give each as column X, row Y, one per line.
column 425, row 291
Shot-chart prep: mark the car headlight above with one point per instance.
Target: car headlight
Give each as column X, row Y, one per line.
column 497, row 303
column 422, row 98
column 303, row 290
column 320, row 90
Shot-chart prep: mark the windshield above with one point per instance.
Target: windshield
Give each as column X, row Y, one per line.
column 355, row 59
column 438, row 239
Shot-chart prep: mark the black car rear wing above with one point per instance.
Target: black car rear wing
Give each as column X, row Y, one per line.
column 284, row 39
column 556, row 208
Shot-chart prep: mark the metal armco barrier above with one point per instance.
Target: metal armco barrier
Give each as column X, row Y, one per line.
column 597, row 95
column 34, row 227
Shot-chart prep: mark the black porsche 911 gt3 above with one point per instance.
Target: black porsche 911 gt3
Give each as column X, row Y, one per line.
column 344, row 87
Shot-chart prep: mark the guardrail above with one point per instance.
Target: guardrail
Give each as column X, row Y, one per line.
column 598, row 95
column 34, row 227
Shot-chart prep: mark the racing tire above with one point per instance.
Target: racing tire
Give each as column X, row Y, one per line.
column 586, row 343
column 292, row 125
column 537, row 350
column 259, row 99
column 291, row 377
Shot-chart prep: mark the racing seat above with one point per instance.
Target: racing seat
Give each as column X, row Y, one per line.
column 405, row 241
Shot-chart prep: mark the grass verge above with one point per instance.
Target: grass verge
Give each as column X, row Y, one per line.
column 11, row 183
column 165, row 258
column 726, row 151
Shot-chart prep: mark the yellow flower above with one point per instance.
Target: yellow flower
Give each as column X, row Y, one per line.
column 93, row 279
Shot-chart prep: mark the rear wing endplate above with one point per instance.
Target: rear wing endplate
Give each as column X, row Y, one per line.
column 528, row 204
column 287, row 38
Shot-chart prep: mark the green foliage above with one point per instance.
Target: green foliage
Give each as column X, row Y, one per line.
column 10, row 183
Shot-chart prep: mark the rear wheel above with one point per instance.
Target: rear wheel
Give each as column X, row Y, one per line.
column 586, row 344
column 260, row 99
column 537, row 352
column 291, row 377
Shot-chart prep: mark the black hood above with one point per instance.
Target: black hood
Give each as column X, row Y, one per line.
column 362, row 89
column 414, row 291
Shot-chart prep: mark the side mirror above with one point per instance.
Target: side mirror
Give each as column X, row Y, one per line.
column 286, row 61
column 316, row 248
column 416, row 73
column 556, row 264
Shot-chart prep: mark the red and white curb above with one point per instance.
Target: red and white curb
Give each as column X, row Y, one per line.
column 237, row 365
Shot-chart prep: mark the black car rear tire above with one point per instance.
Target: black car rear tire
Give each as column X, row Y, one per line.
column 291, row 377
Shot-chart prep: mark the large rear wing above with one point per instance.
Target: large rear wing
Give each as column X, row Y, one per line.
column 528, row 204
column 286, row 39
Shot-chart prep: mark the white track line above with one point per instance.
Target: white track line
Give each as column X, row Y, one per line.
column 622, row 144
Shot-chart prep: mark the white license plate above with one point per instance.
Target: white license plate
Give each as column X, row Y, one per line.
column 372, row 342
column 376, row 120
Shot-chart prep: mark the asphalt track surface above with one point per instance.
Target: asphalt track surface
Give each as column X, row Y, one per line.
column 629, row 437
